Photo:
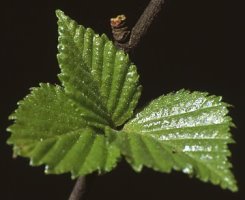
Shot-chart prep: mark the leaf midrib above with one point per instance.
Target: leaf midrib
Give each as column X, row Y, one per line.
column 110, row 121
column 179, row 114
column 181, row 128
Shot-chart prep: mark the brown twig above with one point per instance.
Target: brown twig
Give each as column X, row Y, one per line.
column 142, row 25
column 79, row 189
column 136, row 34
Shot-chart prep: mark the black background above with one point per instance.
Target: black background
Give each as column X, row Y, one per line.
column 193, row 44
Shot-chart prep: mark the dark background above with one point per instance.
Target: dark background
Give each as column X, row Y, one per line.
column 193, row 44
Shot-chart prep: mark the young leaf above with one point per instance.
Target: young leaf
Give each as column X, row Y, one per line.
column 71, row 128
column 95, row 73
column 49, row 130
column 63, row 127
column 182, row 131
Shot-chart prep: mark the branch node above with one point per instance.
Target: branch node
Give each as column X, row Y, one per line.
column 128, row 40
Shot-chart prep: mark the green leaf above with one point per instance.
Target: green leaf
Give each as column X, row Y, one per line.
column 49, row 130
column 71, row 128
column 182, row 131
column 95, row 73
column 63, row 127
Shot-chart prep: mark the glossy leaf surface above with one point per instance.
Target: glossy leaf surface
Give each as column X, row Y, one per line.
column 49, row 130
column 182, row 131
column 72, row 128
column 63, row 127
column 95, row 73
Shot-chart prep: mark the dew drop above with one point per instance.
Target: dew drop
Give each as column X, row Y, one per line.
column 31, row 162
column 188, row 169
column 47, row 169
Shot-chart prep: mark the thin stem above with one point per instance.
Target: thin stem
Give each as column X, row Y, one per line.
column 142, row 25
column 78, row 189
column 137, row 32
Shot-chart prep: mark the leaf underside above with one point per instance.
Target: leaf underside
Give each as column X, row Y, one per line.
column 71, row 128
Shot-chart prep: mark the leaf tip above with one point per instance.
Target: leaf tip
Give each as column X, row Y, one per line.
column 59, row 13
column 234, row 188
